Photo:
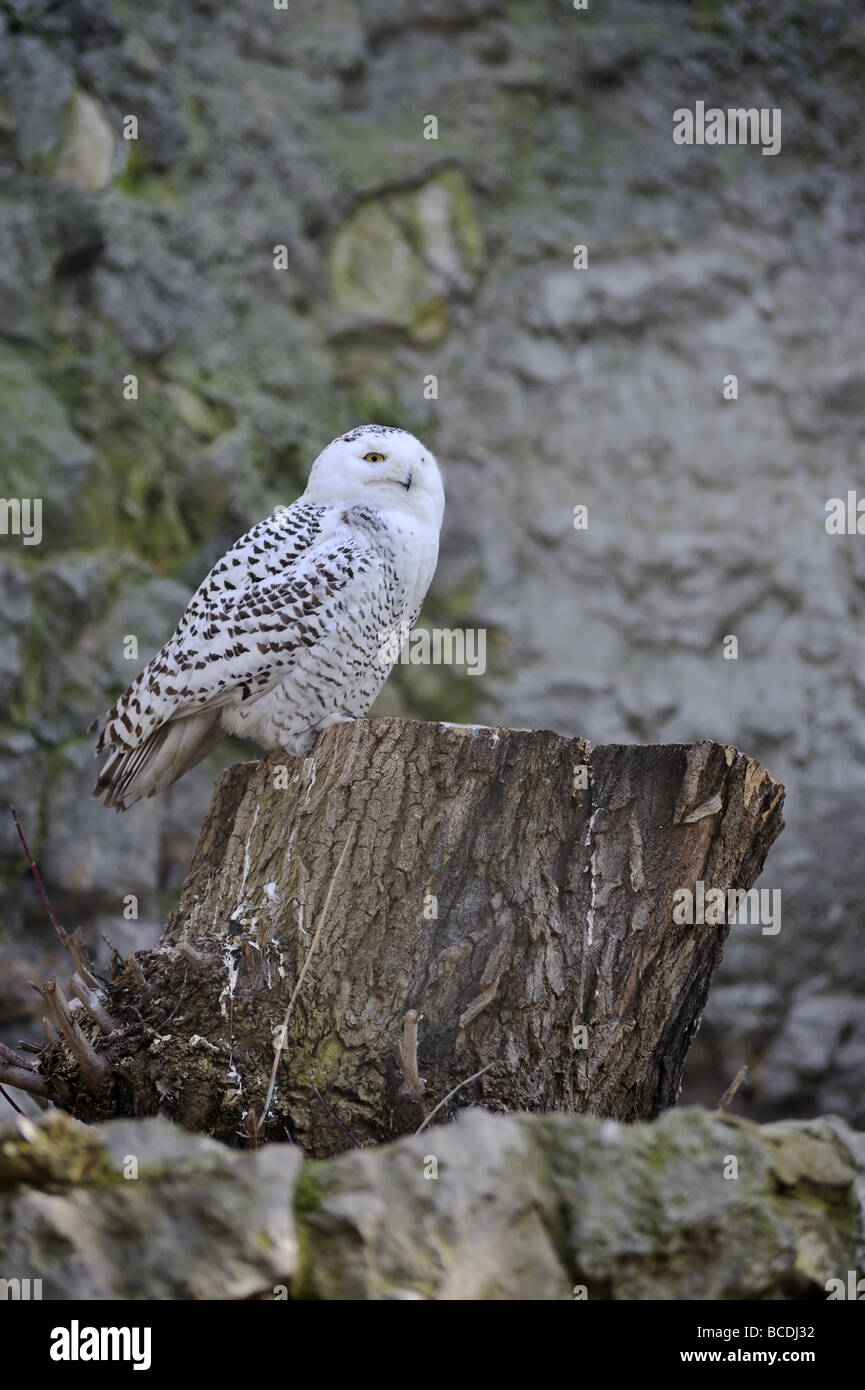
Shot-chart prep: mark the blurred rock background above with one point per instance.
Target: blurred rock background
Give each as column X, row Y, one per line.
column 409, row 258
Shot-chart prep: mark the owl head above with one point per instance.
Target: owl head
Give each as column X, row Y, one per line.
column 382, row 465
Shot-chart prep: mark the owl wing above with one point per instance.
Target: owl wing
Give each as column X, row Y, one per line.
column 267, row 550
column 269, row 596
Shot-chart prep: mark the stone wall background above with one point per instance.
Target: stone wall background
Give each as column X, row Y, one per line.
column 408, row 257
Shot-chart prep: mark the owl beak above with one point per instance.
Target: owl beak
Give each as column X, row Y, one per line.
column 408, row 481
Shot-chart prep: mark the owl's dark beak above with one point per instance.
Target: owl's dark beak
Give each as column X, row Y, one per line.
column 408, row 481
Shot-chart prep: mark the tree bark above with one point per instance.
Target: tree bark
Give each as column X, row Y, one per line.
column 363, row 931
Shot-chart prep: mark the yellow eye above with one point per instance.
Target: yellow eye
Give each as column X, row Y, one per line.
column 373, row 457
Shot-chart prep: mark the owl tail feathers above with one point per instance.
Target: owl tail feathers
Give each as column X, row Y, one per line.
column 133, row 773
column 100, row 726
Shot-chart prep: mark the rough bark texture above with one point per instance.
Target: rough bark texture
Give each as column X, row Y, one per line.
column 460, row 875
column 492, row 1207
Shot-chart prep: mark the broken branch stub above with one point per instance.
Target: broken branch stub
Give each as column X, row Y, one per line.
column 449, row 902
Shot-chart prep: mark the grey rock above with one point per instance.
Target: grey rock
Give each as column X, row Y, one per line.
column 88, row 155
column 91, row 854
column 40, row 90
column 16, row 606
column 528, row 1208
column 559, row 1207
column 141, row 1209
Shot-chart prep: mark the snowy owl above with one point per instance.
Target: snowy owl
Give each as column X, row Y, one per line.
column 293, row 629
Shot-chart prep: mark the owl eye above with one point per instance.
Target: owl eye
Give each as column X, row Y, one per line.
column 373, row 457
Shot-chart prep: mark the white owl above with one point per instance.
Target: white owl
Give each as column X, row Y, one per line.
column 293, row 629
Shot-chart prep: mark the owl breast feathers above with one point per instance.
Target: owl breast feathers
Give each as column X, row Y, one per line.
column 293, row 629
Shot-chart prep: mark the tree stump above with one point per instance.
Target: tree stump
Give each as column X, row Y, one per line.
column 421, row 917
